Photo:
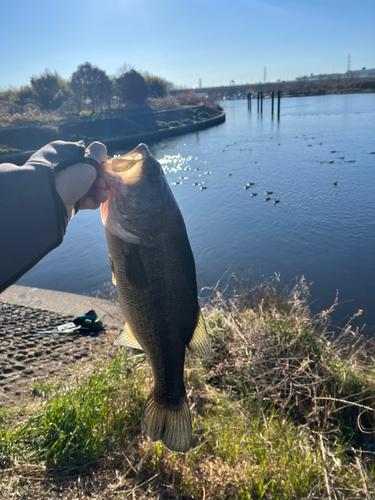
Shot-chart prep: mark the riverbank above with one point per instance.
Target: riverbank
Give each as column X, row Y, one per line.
column 299, row 88
column 17, row 144
column 281, row 410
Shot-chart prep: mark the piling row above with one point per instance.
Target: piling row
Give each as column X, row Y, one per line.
column 260, row 102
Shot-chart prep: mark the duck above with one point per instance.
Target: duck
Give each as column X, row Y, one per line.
column 246, row 187
column 268, row 192
column 275, row 201
column 334, row 183
column 229, row 175
column 268, row 198
column 203, row 187
column 254, row 194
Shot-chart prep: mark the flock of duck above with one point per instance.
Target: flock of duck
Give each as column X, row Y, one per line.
column 178, row 161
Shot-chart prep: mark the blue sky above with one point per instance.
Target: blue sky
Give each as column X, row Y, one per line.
column 183, row 41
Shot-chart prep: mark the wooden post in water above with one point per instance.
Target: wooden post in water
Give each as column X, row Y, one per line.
column 249, row 100
column 273, row 102
column 278, row 103
column 258, row 97
column 261, row 103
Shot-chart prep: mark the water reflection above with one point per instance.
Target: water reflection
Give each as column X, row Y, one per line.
column 317, row 229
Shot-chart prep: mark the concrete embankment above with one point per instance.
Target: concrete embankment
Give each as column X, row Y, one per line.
column 124, row 131
column 27, row 356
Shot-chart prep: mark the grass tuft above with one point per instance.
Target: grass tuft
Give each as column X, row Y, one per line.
column 282, row 410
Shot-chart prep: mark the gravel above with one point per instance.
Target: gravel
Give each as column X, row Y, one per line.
column 26, row 355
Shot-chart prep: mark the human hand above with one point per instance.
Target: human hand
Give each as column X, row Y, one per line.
column 80, row 182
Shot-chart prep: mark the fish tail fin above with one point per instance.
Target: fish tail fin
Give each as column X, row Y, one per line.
column 172, row 425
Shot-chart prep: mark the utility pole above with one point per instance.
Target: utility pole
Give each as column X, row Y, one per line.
column 349, row 57
column 200, row 83
column 265, row 75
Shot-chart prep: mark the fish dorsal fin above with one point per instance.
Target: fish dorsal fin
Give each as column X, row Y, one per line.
column 200, row 341
column 127, row 339
column 112, row 269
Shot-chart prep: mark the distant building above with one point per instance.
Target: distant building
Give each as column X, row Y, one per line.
column 361, row 73
column 364, row 73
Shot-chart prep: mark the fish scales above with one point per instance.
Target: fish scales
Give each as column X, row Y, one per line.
column 154, row 271
column 157, row 306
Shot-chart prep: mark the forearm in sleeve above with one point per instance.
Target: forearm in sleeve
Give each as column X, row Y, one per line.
column 33, row 219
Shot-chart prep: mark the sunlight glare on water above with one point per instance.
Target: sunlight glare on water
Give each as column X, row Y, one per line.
column 319, row 229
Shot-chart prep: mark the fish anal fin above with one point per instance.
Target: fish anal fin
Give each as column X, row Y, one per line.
column 200, row 341
column 172, row 425
column 127, row 339
column 112, row 269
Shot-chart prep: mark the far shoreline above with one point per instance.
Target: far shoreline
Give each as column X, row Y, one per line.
column 175, row 129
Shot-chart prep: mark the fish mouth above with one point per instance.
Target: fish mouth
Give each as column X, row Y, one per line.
column 128, row 169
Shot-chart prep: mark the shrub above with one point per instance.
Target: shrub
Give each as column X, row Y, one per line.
column 162, row 102
column 162, row 124
column 157, row 87
column 49, row 89
column 187, row 98
column 132, row 87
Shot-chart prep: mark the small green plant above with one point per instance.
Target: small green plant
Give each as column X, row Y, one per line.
column 85, row 114
column 161, row 124
column 203, row 115
column 187, row 121
column 4, row 150
column 174, row 124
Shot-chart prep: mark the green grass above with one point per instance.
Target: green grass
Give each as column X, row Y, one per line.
column 78, row 424
column 161, row 124
column 204, row 115
column 280, row 411
column 4, row 150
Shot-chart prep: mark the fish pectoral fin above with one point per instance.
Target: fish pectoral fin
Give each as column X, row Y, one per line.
column 200, row 341
column 112, row 269
column 127, row 339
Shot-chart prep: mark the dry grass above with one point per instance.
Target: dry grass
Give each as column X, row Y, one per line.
column 282, row 410
column 161, row 103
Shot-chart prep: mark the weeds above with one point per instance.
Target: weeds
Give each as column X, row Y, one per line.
column 282, row 410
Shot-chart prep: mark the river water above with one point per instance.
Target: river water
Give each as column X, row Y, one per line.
column 318, row 230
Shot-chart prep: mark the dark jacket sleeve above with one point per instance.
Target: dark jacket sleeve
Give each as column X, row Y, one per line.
column 33, row 217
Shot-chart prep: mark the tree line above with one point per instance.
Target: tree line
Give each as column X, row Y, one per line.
column 50, row 90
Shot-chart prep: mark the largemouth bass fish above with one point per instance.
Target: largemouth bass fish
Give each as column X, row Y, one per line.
column 154, row 271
